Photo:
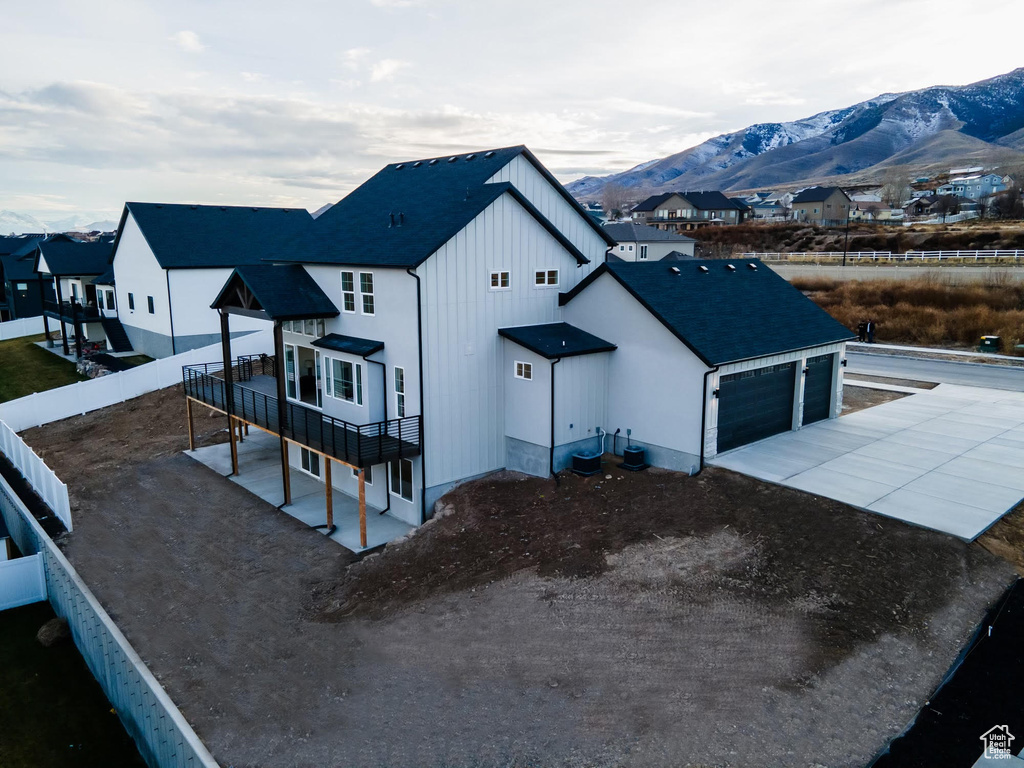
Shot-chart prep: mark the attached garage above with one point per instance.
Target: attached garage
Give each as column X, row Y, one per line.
column 818, row 386
column 755, row 404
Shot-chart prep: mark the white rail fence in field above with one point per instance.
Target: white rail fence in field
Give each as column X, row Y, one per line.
column 75, row 399
column 15, row 329
column 22, row 581
column 42, row 479
column 1012, row 256
column 163, row 736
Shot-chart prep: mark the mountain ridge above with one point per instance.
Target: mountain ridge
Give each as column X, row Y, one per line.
column 927, row 127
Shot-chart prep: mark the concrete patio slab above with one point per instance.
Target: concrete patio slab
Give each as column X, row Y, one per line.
column 950, row 459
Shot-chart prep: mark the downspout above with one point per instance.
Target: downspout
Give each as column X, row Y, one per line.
column 423, row 454
column 551, row 455
column 170, row 310
column 703, row 418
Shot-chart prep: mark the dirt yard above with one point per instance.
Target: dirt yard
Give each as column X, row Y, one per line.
column 645, row 619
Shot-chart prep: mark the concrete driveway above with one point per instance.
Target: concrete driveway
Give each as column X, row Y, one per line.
column 950, row 459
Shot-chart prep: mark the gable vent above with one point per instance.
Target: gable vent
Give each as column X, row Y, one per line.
column 730, row 267
column 702, row 268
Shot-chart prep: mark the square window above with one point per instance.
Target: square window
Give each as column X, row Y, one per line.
column 500, row 281
column 524, row 370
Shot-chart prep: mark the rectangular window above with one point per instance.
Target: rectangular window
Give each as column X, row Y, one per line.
column 110, row 300
column 622, row 247
column 547, row 277
column 348, row 292
column 524, row 370
column 321, row 328
column 366, row 291
column 310, row 461
column 347, row 382
column 400, row 392
column 367, row 471
column 309, row 327
column 400, row 478
column 131, row 301
column 149, row 301
column 500, row 281
column 643, row 252
column 99, row 299
column 21, row 286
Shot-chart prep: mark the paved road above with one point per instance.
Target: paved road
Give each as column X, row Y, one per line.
column 942, row 371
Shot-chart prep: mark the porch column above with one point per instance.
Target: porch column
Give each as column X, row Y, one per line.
column 77, row 327
column 282, row 407
column 46, row 320
column 362, row 507
column 191, row 424
column 329, row 492
column 229, row 386
column 60, row 314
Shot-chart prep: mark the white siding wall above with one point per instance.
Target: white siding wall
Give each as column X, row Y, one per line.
column 527, row 403
column 581, row 397
column 556, row 209
column 655, row 382
column 192, row 293
column 463, row 356
column 137, row 271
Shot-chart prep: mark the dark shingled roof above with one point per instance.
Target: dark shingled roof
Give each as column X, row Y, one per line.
column 709, row 201
column 19, row 268
column 66, row 256
column 107, row 278
column 350, row 344
column 406, row 211
column 653, row 202
column 207, row 236
column 741, row 204
column 724, row 315
column 815, row 194
column 627, row 232
column 554, row 340
column 283, row 291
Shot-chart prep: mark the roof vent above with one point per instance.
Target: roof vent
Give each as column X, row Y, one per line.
column 470, row 156
column 223, row 207
column 489, row 154
column 453, row 158
column 433, row 162
column 730, row 267
column 674, row 270
column 255, row 209
column 400, row 166
column 417, row 164
column 702, row 268
column 193, row 207
column 752, row 266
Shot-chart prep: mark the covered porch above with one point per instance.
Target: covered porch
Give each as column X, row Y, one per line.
column 260, row 473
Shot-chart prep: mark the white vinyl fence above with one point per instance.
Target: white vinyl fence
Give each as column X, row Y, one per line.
column 22, row 581
column 163, row 736
column 1012, row 256
column 34, row 470
column 27, row 326
column 75, row 399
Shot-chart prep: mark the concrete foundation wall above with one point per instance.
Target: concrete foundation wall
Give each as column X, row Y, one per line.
column 525, row 457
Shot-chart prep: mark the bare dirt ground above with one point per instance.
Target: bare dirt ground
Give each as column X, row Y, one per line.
column 644, row 619
column 858, row 398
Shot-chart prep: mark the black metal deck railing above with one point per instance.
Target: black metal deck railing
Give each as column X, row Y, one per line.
column 361, row 445
column 69, row 312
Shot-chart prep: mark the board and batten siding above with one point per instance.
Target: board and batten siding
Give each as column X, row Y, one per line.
column 522, row 174
column 581, row 397
column 463, row 356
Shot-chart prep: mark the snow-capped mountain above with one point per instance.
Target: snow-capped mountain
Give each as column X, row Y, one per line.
column 12, row 223
column 943, row 124
column 84, row 222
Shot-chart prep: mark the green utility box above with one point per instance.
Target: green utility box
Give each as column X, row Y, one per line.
column 989, row 344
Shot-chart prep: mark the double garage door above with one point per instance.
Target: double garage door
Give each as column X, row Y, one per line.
column 756, row 404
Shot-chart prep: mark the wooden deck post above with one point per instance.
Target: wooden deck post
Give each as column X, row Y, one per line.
column 191, row 425
column 362, row 508
column 329, row 492
column 234, row 445
column 286, row 477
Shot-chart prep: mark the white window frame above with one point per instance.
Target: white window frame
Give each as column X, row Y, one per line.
column 357, row 380
column 412, row 480
column 364, row 295
column 642, row 256
column 348, row 295
column 399, row 379
column 523, row 370
column 367, row 470
column 544, row 277
column 497, row 273
column 306, row 455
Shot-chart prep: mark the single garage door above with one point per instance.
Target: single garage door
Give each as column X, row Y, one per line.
column 755, row 404
column 817, row 388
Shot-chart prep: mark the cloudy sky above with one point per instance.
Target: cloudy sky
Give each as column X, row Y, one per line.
column 224, row 101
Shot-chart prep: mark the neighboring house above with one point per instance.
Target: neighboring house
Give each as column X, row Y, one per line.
column 636, row 242
column 453, row 316
column 827, row 206
column 743, row 207
column 22, row 289
column 922, row 206
column 71, row 266
column 170, row 262
column 976, row 187
column 686, row 211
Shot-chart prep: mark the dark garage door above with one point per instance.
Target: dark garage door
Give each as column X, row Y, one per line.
column 755, row 404
column 817, row 388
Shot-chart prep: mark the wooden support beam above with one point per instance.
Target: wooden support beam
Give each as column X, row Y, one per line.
column 191, row 425
column 234, row 446
column 362, row 508
column 286, row 477
column 329, row 493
